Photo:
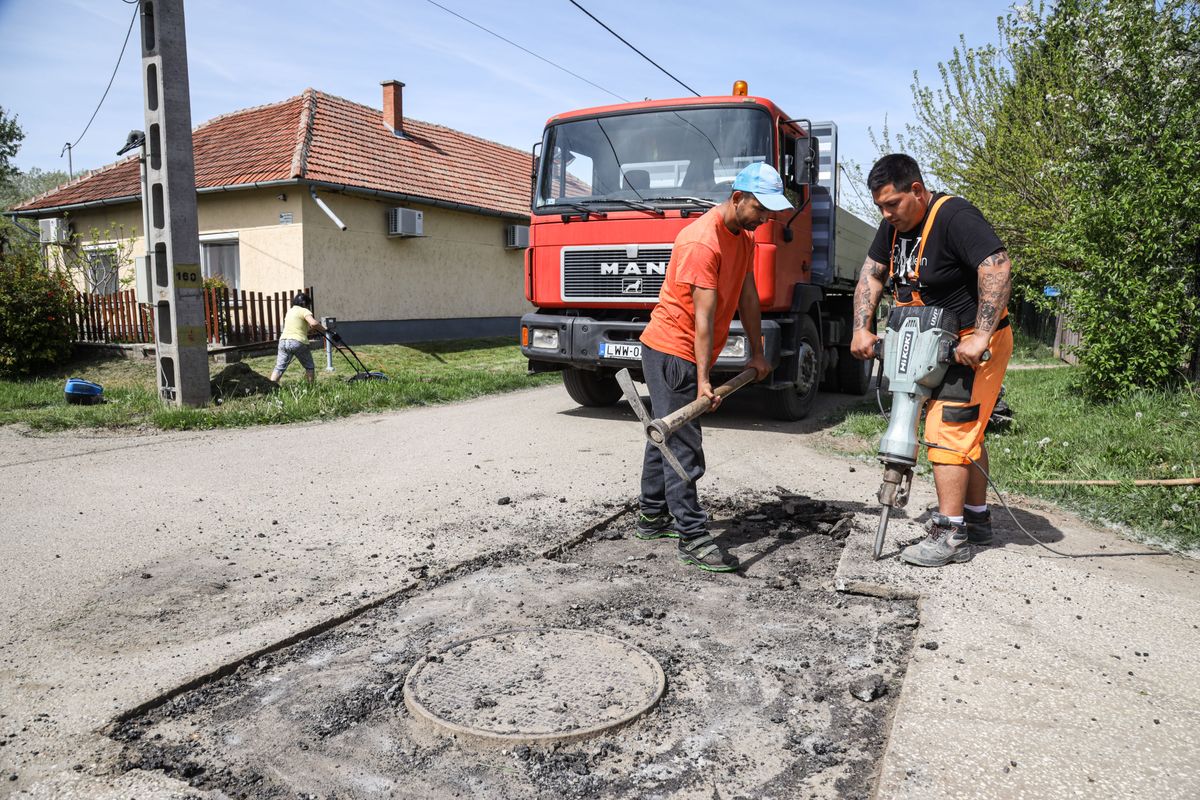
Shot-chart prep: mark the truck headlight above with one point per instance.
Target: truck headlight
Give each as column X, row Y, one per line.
column 544, row 339
column 735, row 347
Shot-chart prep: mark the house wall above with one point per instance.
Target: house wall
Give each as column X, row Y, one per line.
column 270, row 252
column 116, row 226
column 455, row 281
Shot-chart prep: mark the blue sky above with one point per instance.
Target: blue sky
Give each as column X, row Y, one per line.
column 851, row 62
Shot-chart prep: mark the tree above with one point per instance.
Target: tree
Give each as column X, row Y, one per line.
column 10, row 142
column 1077, row 134
column 25, row 185
column 35, row 307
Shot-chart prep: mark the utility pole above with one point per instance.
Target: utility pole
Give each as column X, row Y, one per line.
column 172, row 237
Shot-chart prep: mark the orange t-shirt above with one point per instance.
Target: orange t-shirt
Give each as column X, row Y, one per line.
column 708, row 256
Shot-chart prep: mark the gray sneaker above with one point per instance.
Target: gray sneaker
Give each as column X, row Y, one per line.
column 659, row 526
column 946, row 543
column 979, row 526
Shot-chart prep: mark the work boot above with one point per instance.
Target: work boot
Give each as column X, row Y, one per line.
column 946, row 543
column 979, row 526
column 701, row 550
column 659, row 526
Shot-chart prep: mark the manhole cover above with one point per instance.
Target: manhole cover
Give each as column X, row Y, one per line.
column 534, row 685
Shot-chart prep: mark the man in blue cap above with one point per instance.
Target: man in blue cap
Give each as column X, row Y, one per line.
column 709, row 277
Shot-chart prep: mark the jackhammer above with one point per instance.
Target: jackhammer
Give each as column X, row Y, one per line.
column 914, row 353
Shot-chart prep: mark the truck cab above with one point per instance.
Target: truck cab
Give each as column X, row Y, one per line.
column 612, row 188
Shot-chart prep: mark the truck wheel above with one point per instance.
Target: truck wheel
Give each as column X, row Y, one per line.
column 795, row 402
column 590, row 387
column 853, row 375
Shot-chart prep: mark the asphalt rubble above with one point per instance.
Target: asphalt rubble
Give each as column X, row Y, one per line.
column 777, row 685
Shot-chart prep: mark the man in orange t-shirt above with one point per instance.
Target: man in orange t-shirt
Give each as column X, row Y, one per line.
column 709, row 277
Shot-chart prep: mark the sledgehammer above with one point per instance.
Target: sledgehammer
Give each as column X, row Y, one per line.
column 659, row 430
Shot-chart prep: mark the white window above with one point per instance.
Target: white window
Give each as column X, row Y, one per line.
column 219, row 258
column 102, row 271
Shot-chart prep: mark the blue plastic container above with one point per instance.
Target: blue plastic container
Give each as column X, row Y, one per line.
column 81, row 392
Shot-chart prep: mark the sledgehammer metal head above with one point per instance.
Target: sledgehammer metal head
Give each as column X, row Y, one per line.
column 659, row 430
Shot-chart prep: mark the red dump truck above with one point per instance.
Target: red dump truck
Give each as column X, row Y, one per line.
column 612, row 187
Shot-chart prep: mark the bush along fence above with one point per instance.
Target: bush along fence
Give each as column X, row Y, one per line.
column 231, row 316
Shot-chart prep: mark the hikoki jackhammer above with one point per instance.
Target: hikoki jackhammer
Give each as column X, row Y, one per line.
column 914, row 353
column 659, row 430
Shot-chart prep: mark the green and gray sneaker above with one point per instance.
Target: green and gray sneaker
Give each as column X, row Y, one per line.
column 979, row 526
column 946, row 544
column 703, row 551
column 660, row 526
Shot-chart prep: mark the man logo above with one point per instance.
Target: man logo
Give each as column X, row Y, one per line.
column 633, row 268
column 631, row 286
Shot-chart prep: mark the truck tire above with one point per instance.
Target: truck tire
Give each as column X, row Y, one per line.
column 853, row 375
column 794, row 402
column 590, row 387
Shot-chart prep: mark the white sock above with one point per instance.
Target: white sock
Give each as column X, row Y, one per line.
column 976, row 509
column 956, row 520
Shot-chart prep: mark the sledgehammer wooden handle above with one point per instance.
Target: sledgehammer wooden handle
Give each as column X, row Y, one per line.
column 663, row 428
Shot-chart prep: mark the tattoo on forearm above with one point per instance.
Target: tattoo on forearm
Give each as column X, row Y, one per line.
column 995, row 284
column 866, row 295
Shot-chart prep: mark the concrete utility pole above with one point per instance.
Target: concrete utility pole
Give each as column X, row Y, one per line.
column 173, row 240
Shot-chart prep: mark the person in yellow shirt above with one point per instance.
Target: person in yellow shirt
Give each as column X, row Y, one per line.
column 293, row 342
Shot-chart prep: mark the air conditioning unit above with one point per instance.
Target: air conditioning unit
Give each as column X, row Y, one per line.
column 516, row 236
column 55, row 230
column 405, row 222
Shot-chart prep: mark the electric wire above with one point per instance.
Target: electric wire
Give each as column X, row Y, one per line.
column 527, row 50
column 631, row 47
column 116, row 66
column 854, row 186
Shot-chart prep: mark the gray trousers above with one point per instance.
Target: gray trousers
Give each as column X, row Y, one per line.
column 672, row 384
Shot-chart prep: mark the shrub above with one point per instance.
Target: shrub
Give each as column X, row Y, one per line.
column 35, row 308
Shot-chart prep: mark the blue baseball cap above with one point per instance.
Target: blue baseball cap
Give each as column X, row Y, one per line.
column 763, row 181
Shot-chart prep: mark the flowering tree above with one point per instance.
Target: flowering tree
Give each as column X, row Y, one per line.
column 1078, row 135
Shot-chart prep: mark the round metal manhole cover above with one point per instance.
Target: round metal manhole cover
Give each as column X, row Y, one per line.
column 534, row 685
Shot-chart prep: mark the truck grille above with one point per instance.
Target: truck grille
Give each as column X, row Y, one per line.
column 622, row 274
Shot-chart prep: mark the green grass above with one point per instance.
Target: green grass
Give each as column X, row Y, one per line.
column 1029, row 350
column 1056, row 434
column 420, row 374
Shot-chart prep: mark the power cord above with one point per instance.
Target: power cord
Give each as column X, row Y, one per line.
column 996, row 489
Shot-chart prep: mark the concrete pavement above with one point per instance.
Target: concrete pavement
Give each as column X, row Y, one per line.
column 1037, row 676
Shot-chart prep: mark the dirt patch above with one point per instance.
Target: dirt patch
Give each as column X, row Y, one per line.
column 777, row 686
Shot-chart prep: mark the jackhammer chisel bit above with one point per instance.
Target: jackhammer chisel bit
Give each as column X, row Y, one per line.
column 659, row 430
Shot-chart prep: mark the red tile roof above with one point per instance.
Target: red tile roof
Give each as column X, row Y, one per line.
column 319, row 137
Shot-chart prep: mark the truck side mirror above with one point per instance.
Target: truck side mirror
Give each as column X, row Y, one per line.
column 806, row 158
column 536, row 153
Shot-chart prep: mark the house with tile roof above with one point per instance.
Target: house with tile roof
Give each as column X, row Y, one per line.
column 312, row 191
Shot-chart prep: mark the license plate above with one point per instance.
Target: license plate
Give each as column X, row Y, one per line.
column 616, row 350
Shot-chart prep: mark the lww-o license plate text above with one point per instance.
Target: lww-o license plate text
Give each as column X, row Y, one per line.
column 618, row 350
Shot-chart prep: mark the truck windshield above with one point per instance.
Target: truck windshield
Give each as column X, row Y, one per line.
column 659, row 157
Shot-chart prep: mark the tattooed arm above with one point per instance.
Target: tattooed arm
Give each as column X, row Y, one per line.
column 866, row 299
column 995, row 285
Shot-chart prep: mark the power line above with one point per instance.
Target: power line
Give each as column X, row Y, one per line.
column 530, row 52
column 631, row 47
column 68, row 147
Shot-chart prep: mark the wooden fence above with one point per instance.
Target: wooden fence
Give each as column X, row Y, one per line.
column 231, row 317
column 114, row 317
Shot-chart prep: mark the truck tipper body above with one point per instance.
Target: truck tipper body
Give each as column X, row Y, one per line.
column 614, row 185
